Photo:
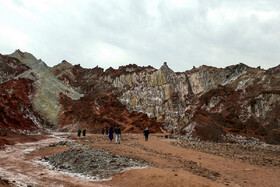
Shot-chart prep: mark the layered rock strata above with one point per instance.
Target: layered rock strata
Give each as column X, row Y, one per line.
column 46, row 98
column 16, row 111
column 230, row 104
column 205, row 103
column 99, row 107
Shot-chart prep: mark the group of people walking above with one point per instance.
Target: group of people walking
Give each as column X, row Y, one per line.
column 117, row 131
column 111, row 132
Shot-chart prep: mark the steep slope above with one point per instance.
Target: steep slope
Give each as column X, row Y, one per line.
column 158, row 93
column 10, row 68
column 16, row 111
column 99, row 107
column 164, row 94
column 236, row 103
column 46, row 99
column 246, row 107
column 217, row 104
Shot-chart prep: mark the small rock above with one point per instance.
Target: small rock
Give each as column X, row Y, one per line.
column 26, row 153
column 52, row 145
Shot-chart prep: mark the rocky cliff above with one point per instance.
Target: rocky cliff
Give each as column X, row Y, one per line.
column 16, row 110
column 233, row 104
column 99, row 107
column 46, row 98
column 164, row 94
column 236, row 103
column 243, row 108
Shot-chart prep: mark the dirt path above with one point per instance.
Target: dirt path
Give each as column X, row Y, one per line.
column 19, row 169
column 171, row 165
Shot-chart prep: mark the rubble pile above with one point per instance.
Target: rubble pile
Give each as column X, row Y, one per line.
column 89, row 162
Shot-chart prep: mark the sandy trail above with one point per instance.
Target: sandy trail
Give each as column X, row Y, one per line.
column 171, row 165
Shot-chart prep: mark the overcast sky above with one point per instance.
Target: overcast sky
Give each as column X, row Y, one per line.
column 184, row 33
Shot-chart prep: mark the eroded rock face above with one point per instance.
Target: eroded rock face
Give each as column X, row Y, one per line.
column 246, row 107
column 158, row 93
column 16, row 111
column 10, row 68
column 16, row 94
column 99, row 107
column 205, row 103
column 46, row 99
column 165, row 95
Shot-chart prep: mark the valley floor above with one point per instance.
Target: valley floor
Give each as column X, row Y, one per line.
column 172, row 163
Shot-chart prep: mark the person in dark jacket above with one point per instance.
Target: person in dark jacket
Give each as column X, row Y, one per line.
column 107, row 129
column 79, row 132
column 84, row 132
column 111, row 134
column 118, row 134
column 146, row 133
column 103, row 131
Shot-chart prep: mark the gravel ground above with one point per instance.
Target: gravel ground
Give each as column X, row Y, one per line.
column 261, row 155
column 90, row 162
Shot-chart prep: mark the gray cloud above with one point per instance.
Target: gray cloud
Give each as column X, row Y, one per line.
column 113, row 33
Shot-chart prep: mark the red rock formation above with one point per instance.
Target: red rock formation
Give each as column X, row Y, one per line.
column 207, row 103
column 16, row 112
column 10, row 67
column 99, row 106
column 230, row 115
column 96, row 114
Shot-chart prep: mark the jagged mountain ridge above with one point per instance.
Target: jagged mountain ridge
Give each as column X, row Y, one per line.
column 52, row 100
column 207, row 103
column 187, row 101
column 100, row 105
